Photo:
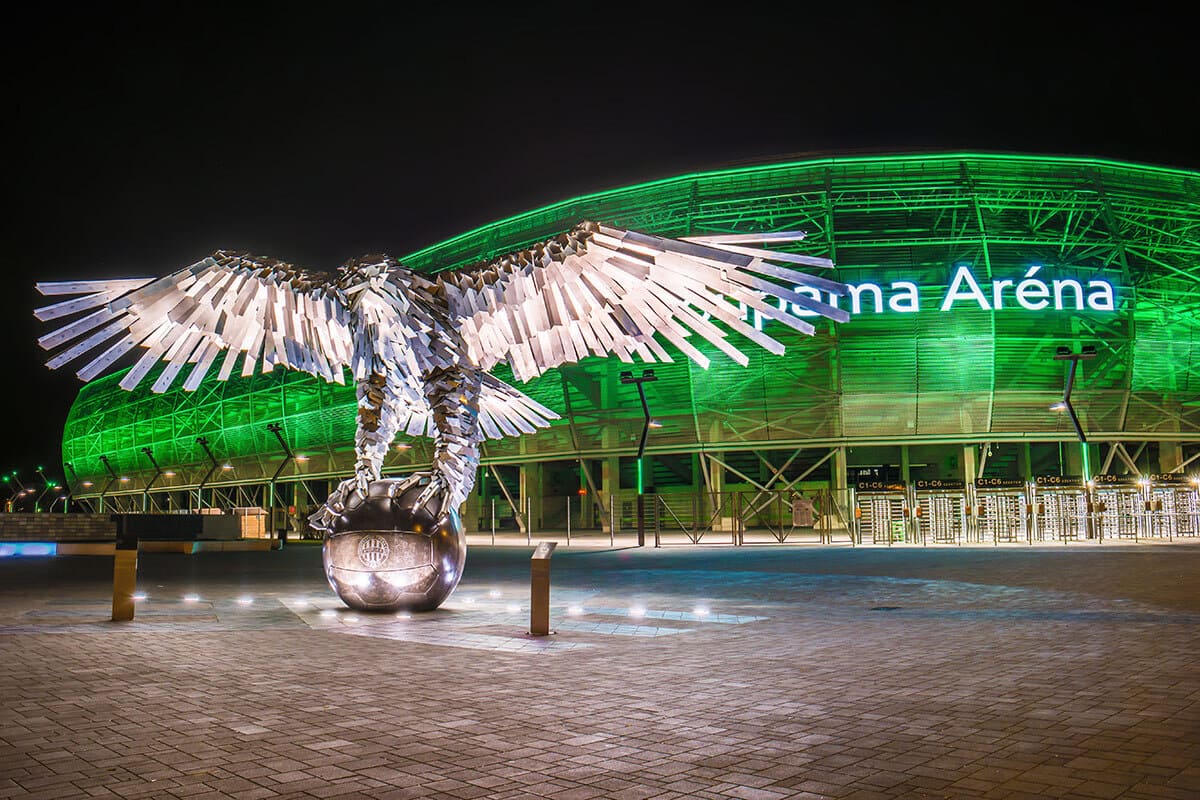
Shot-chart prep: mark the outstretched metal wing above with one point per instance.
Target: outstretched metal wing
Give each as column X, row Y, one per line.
column 606, row 290
column 272, row 312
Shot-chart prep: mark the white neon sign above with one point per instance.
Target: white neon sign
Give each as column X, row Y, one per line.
column 1026, row 292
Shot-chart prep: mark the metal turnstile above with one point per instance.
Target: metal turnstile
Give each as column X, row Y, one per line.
column 1172, row 506
column 1002, row 510
column 940, row 510
column 1061, row 508
column 1118, row 507
column 881, row 512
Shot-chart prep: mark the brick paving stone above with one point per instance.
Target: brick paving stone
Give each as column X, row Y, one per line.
column 1001, row 674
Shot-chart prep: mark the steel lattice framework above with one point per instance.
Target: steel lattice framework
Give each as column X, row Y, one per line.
column 970, row 376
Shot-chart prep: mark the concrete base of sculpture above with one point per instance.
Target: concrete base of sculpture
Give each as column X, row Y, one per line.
column 384, row 555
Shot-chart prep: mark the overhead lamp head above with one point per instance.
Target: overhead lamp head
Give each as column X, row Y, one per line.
column 1062, row 350
column 1088, row 351
column 1061, row 405
column 626, row 377
column 649, row 375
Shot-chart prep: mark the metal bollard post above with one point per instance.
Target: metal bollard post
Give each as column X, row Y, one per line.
column 493, row 522
column 612, row 520
column 124, row 571
column 657, row 526
column 539, row 589
column 569, row 520
column 641, row 520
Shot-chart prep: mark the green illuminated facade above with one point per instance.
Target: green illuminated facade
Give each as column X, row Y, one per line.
column 917, row 381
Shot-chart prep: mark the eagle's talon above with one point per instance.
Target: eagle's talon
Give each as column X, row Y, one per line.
column 438, row 488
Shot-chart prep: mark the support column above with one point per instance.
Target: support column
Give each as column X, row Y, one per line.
column 1025, row 461
column 715, row 499
column 904, row 463
column 969, row 463
column 839, row 472
column 1073, row 458
column 473, row 506
column 1170, row 456
column 531, row 495
column 610, row 484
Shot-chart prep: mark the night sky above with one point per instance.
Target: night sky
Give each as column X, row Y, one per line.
column 143, row 137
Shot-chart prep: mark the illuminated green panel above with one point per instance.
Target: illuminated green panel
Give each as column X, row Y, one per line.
column 968, row 374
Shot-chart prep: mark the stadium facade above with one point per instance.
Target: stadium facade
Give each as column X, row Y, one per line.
column 969, row 272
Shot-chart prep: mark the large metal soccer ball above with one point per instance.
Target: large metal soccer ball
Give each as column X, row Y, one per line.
column 382, row 554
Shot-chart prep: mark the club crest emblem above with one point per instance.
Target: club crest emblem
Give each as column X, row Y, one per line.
column 373, row 551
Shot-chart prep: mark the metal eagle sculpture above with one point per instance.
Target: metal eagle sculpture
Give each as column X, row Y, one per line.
column 419, row 347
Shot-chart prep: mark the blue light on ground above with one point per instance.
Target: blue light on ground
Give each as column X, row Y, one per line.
column 28, row 549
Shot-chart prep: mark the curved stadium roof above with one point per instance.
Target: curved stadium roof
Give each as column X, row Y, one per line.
column 966, row 374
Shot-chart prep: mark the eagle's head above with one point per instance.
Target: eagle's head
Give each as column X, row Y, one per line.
column 375, row 276
column 367, row 269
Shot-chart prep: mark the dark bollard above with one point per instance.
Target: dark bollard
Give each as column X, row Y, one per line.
column 539, row 589
column 641, row 520
column 124, row 571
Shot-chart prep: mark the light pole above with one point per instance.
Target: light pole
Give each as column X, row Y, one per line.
column 37, row 504
column 1064, row 353
column 112, row 478
column 21, row 495
column 647, row 377
column 203, row 442
column 289, row 456
column 50, row 485
column 157, row 472
column 8, row 504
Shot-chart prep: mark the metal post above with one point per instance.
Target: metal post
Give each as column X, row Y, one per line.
column 539, row 589
column 612, row 520
column 569, row 519
column 657, row 526
column 493, row 522
column 124, row 570
column 528, row 520
column 641, row 516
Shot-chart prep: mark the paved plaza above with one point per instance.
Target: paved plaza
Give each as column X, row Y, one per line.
column 754, row 673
